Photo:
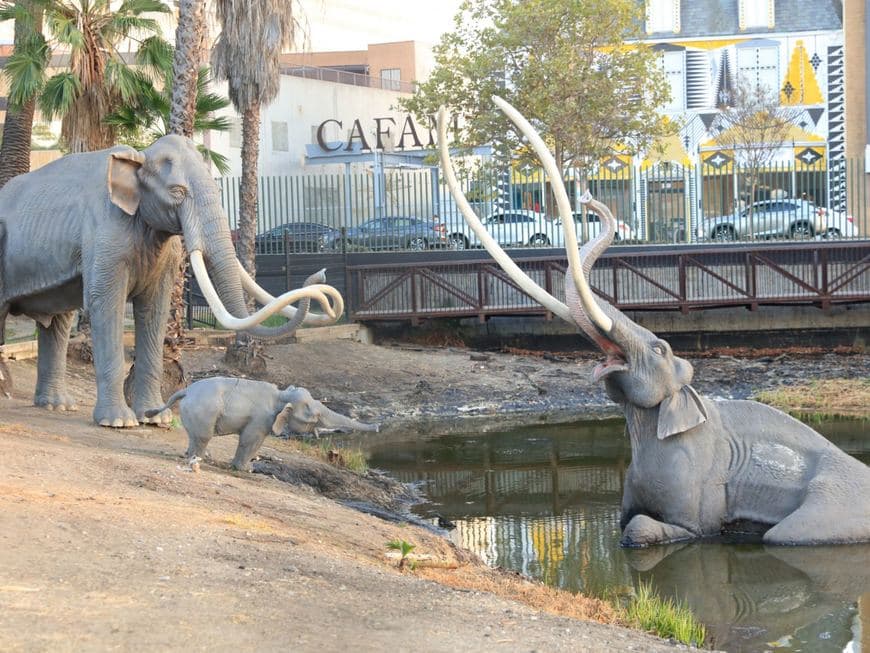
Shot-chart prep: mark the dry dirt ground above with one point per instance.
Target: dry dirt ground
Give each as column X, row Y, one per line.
column 108, row 541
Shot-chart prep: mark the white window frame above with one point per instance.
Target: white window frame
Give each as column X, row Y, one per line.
column 759, row 66
column 757, row 13
column 662, row 16
column 280, row 136
column 673, row 64
column 391, row 78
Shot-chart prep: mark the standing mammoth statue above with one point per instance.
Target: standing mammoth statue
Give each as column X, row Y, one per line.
column 699, row 467
column 95, row 230
column 225, row 405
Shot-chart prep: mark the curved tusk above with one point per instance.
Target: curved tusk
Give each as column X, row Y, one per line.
column 317, row 292
column 564, row 206
column 329, row 316
column 507, row 264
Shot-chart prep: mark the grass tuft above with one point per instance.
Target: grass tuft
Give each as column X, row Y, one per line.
column 667, row 618
column 819, row 400
column 325, row 449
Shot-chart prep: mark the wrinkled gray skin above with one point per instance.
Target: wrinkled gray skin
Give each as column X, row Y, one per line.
column 95, row 230
column 701, row 467
column 225, row 406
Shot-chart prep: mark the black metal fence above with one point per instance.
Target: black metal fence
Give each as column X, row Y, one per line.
column 411, row 210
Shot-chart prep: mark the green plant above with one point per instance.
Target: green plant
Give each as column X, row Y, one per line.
column 402, row 546
column 664, row 617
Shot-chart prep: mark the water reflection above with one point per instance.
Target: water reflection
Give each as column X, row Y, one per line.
column 545, row 501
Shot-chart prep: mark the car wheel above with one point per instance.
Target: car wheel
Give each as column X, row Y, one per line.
column 801, row 230
column 539, row 240
column 457, row 241
column 418, row 244
column 724, row 232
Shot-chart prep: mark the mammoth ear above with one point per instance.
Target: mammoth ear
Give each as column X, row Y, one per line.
column 680, row 412
column 123, row 182
column 281, row 419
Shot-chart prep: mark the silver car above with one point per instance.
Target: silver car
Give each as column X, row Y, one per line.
column 790, row 218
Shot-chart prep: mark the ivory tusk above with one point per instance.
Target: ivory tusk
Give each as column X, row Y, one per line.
column 564, row 206
column 329, row 316
column 507, row 264
column 317, row 292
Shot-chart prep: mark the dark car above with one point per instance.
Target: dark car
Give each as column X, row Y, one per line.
column 300, row 236
column 392, row 233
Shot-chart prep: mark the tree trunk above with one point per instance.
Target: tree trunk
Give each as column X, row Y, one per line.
column 248, row 189
column 18, row 128
column 189, row 41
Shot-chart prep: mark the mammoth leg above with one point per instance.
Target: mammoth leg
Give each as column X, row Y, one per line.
column 51, row 364
column 150, row 312
column 106, row 298
column 250, row 440
column 646, row 531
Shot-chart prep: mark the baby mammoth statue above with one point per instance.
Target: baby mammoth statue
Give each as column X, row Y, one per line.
column 225, row 405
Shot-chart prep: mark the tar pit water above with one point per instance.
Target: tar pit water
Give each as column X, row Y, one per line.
column 544, row 501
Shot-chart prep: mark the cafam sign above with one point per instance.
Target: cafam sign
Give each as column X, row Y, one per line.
column 383, row 133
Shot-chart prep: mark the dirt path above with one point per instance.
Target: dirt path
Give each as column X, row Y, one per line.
column 108, row 542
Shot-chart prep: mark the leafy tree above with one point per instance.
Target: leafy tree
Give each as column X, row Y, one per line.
column 575, row 68
column 755, row 124
column 246, row 54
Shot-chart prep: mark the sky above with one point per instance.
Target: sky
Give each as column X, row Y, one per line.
column 353, row 24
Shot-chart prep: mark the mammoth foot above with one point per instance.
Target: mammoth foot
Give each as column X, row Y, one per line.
column 115, row 416
column 163, row 417
column 646, row 531
column 55, row 401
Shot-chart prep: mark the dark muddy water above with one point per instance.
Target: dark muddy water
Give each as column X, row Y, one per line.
column 545, row 501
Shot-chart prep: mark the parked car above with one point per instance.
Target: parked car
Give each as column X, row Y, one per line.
column 522, row 227
column 300, row 236
column 512, row 228
column 392, row 233
column 789, row 218
column 593, row 221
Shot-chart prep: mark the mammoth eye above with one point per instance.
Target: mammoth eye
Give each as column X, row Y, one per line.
column 178, row 192
column 659, row 348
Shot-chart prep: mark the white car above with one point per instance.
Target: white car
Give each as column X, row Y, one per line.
column 593, row 222
column 526, row 228
column 511, row 228
column 836, row 224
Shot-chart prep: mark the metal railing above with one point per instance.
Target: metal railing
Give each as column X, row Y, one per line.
column 661, row 204
column 678, row 277
column 338, row 76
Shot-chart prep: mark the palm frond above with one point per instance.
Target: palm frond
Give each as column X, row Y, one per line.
column 59, row 94
column 155, row 53
column 220, row 162
column 25, row 70
column 128, row 81
column 214, row 123
column 137, row 7
column 64, row 29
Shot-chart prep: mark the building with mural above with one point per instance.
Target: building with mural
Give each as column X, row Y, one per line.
column 708, row 48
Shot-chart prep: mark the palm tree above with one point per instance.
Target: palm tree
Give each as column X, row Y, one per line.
column 246, row 54
column 189, row 47
column 25, row 71
column 98, row 80
column 141, row 123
